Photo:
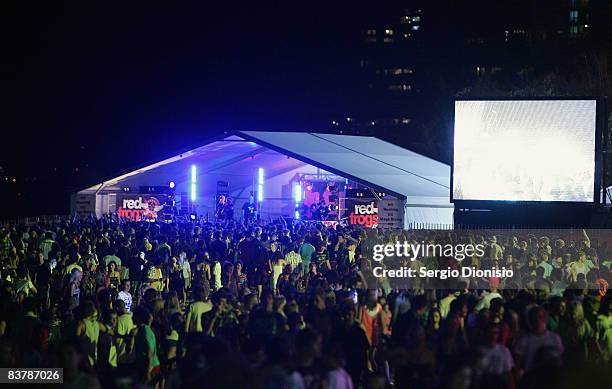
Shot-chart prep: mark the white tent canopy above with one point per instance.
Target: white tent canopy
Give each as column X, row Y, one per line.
column 422, row 182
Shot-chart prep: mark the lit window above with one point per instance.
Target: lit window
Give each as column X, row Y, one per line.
column 388, row 32
column 407, row 36
column 416, row 19
column 416, row 28
column 405, row 19
column 480, row 70
column 574, row 30
column 573, row 16
column 405, row 120
column 371, row 32
column 388, row 40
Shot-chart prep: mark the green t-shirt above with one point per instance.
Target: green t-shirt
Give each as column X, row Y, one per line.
column 306, row 251
column 145, row 342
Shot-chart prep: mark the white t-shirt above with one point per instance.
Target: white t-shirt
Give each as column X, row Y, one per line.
column 497, row 360
column 126, row 297
column 186, row 268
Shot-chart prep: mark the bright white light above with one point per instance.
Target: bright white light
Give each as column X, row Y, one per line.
column 297, row 214
column 171, row 184
column 524, row 150
column 297, row 193
column 260, row 183
column 194, row 171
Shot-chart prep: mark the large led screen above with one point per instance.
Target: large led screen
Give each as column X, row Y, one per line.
column 524, row 150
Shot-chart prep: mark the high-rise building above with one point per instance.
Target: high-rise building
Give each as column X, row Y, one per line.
column 388, row 58
column 413, row 55
column 578, row 18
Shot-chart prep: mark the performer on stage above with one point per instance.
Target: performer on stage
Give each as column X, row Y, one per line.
column 220, row 208
column 228, row 212
column 248, row 209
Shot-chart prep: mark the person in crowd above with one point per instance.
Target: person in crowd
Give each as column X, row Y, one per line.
column 155, row 277
column 185, row 267
column 145, row 348
column 576, row 333
column 497, row 358
column 111, row 258
column 124, row 328
column 23, row 282
column 124, row 295
column 75, row 376
column 349, row 334
column 538, row 337
column 310, row 311
column 264, row 320
column 136, row 265
column 200, row 306
column 176, row 282
column 88, row 330
column 445, row 303
column 113, row 275
column 371, row 318
column 306, row 250
column 603, row 329
column 107, row 345
column 277, row 263
column 557, row 310
column 221, row 319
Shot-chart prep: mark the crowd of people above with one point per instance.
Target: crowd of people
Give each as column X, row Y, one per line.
column 119, row 303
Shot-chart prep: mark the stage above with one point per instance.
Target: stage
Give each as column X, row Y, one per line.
column 274, row 170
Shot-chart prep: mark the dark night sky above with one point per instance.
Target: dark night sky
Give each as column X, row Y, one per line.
column 105, row 88
column 110, row 87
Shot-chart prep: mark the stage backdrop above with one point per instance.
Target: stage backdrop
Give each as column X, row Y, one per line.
column 524, row 150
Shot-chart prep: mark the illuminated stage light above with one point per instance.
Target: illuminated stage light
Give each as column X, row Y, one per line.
column 194, row 171
column 260, row 181
column 297, row 193
column 297, row 214
column 171, row 184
